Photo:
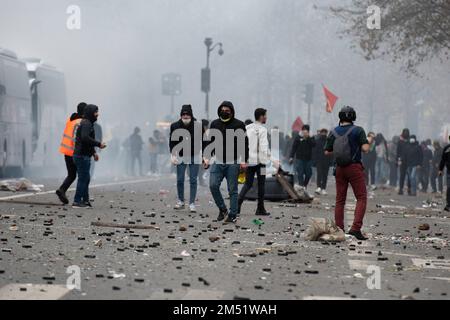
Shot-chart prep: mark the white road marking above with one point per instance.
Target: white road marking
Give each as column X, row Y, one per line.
column 329, row 298
column 432, row 264
column 360, row 264
column 17, row 291
column 438, row 278
column 109, row 184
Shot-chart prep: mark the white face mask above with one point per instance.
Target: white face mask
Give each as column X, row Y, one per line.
column 412, row 140
column 186, row 121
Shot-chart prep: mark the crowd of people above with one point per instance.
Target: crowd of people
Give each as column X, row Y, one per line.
column 228, row 147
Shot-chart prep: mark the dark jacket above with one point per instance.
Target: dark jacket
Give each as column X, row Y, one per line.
column 437, row 156
column 85, row 142
column 445, row 160
column 402, row 147
column 196, row 131
column 319, row 157
column 136, row 143
column 414, row 155
column 232, row 124
column 427, row 157
column 302, row 148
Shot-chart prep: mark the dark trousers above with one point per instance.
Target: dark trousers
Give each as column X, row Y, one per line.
column 435, row 176
column 322, row 174
column 448, row 188
column 353, row 175
column 83, row 164
column 425, row 177
column 259, row 170
column 403, row 168
column 134, row 158
column 304, row 171
column 370, row 171
column 393, row 174
column 71, row 174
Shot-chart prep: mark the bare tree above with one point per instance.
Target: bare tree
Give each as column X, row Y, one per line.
column 412, row 31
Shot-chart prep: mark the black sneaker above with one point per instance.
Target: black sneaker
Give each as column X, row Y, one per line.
column 62, row 197
column 262, row 212
column 88, row 204
column 357, row 234
column 222, row 214
column 76, row 205
column 230, row 219
column 447, row 208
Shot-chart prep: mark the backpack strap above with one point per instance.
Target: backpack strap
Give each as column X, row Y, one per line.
column 336, row 135
column 349, row 131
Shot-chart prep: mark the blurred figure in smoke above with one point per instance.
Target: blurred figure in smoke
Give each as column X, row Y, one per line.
column 323, row 162
column 426, row 164
column 153, row 153
column 414, row 160
column 402, row 147
column 136, row 142
column 437, row 156
column 369, row 161
column 393, row 162
column 67, row 148
column 382, row 159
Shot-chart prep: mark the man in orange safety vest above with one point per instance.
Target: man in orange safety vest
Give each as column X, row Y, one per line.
column 67, row 148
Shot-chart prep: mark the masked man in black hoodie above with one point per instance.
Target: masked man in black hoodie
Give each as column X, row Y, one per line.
column 229, row 145
column 186, row 147
column 85, row 144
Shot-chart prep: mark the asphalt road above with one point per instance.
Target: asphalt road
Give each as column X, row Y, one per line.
column 192, row 256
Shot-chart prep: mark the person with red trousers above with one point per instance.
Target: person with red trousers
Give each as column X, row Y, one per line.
column 346, row 143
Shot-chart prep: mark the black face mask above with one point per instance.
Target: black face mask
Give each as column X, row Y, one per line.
column 225, row 115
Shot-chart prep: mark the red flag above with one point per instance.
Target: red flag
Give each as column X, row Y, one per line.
column 331, row 99
column 297, row 125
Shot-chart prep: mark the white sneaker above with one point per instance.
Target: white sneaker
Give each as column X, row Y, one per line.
column 318, row 190
column 179, row 205
column 324, row 192
column 192, row 208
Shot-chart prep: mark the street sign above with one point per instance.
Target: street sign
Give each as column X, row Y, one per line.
column 171, row 84
column 206, row 80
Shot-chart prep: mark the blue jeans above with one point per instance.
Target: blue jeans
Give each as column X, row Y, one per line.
column 411, row 173
column 304, row 171
column 217, row 174
column 193, row 174
column 83, row 164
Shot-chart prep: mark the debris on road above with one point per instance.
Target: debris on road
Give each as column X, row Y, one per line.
column 323, row 229
column 123, row 226
column 424, row 227
column 22, row 184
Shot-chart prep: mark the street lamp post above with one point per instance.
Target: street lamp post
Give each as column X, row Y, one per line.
column 206, row 72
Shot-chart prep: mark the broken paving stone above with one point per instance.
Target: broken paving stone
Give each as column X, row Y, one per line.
column 311, row 272
column 183, row 228
column 214, row 238
column 424, row 227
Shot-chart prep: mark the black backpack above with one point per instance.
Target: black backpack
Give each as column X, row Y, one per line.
column 341, row 148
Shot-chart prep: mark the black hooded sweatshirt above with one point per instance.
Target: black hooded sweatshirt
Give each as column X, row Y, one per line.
column 196, row 132
column 232, row 124
column 85, row 142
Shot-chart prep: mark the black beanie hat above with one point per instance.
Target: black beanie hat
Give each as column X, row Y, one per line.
column 80, row 108
column 187, row 109
column 306, row 127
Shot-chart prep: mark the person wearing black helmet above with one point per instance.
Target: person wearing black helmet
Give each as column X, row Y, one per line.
column 345, row 143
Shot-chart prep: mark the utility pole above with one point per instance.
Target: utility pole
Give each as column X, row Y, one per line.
column 206, row 72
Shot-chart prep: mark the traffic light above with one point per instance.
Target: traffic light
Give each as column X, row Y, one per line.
column 309, row 93
column 206, row 80
column 171, row 84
